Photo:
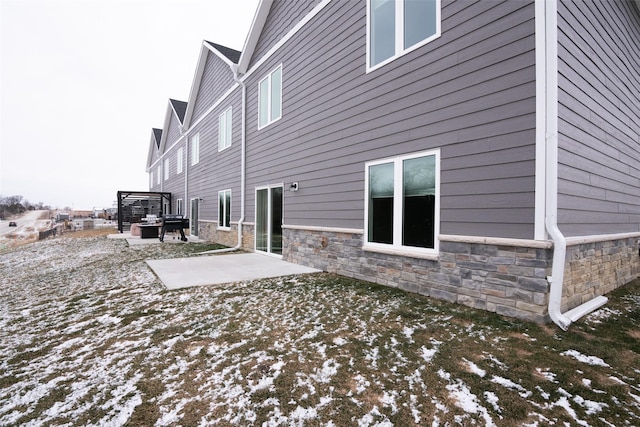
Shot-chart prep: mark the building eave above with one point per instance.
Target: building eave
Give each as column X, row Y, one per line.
column 195, row 84
column 259, row 20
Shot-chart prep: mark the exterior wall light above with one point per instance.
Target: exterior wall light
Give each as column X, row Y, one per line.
column 293, row 187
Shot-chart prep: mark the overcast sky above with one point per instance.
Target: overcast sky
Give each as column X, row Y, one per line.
column 83, row 82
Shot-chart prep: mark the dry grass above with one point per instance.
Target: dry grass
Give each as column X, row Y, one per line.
column 97, row 232
column 88, row 335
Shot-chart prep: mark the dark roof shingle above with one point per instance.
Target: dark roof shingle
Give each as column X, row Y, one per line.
column 180, row 107
column 232, row 54
column 157, row 135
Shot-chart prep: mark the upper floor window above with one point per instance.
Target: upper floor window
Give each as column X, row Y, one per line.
column 395, row 27
column 158, row 174
column 179, row 160
column 402, row 208
column 166, row 169
column 270, row 98
column 195, row 149
column 224, row 129
column 150, row 179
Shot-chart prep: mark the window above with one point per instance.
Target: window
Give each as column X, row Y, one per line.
column 150, row 179
column 195, row 149
column 224, row 129
column 179, row 160
column 166, row 169
column 224, row 209
column 402, row 207
column 179, row 207
column 395, row 27
column 270, row 98
column 158, row 174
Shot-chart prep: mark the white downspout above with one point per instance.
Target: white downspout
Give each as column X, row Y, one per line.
column 551, row 158
column 242, row 171
column 556, row 280
column 185, row 159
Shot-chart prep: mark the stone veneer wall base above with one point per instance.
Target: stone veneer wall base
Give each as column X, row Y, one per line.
column 505, row 276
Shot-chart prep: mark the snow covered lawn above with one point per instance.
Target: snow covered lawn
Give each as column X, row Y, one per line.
column 89, row 336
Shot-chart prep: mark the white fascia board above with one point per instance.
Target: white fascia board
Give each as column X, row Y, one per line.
column 259, row 19
column 316, row 10
column 165, row 127
column 195, row 85
column 152, row 146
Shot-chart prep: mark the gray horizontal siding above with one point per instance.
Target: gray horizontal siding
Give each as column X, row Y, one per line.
column 175, row 183
column 599, row 117
column 283, row 16
column 217, row 78
column 173, row 131
column 470, row 93
column 216, row 170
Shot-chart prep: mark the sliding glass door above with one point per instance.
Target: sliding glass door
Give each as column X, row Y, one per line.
column 194, row 214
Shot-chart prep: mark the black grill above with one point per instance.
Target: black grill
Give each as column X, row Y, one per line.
column 174, row 223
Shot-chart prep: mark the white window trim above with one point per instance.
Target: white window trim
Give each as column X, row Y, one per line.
column 223, row 144
column 195, row 149
column 397, row 247
column 268, row 77
column 400, row 50
column 179, row 161
column 179, row 207
column 158, row 175
column 166, row 169
column 224, row 227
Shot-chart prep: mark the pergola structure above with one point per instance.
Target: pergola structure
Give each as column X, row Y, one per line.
column 135, row 205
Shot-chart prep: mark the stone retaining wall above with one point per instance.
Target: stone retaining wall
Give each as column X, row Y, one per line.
column 509, row 280
column 598, row 267
column 209, row 231
column 508, row 277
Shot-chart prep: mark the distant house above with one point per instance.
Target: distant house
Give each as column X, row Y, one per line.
column 486, row 153
column 62, row 216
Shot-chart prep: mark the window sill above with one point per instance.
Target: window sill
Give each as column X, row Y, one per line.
column 401, row 252
column 266, row 125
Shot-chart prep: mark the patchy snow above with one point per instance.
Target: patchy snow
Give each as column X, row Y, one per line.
column 89, row 336
column 462, row 396
column 590, row 360
column 429, row 353
column 550, row 376
column 493, row 400
column 602, row 314
column 474, row 369
column 507, row 383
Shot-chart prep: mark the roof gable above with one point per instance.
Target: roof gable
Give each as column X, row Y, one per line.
column 227, row 55
column 175, row 110
column 179, row 108
column 231, row 54
column 154, row 146
column 157, row 135
column 285, row 30
column 259, row 19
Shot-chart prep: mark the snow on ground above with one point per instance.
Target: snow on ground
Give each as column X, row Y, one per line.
column 89, row 336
